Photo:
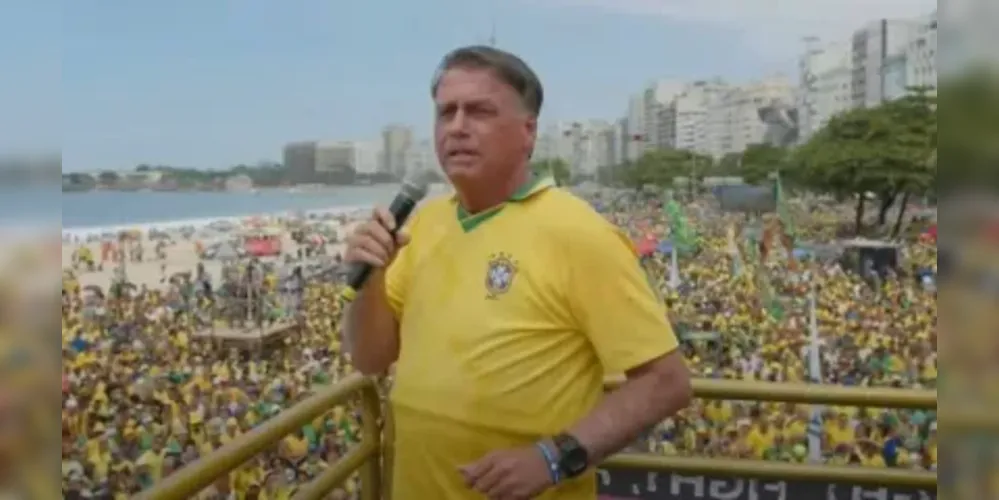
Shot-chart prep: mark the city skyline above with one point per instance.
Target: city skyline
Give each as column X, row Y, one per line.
column 192, row 84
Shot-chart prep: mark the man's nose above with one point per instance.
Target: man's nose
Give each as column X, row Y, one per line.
column 458, row 124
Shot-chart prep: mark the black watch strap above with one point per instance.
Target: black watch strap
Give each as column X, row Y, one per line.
column 573, row 458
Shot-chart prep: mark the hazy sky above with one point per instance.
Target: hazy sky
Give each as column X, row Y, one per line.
column 210, row 83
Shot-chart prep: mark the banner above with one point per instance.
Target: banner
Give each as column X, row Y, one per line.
column 631, row 484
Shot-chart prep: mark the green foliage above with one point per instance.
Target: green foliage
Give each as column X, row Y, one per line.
column 662, row 167
column 883, row 150
column 557, row 168
column 759, row 161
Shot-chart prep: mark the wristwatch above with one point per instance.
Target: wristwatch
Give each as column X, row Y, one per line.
column 573, row 459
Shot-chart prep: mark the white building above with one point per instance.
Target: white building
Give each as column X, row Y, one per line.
column 621, row 140
column 396, row 141
column 637, row 137
column 921, row 55
column 824, row 90
column 421, row 158
column 585, row 145
column 689, row 114
column 367, row 157
column 334, row 156
column 732, row 121
column 878, row 51
column 659, row 124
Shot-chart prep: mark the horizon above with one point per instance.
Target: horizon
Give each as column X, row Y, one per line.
column 196, row 85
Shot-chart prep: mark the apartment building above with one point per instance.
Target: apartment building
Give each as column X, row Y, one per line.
column 824, row 87
column 689, row 114
column 367, row 156
column 637, row 141
column 877, row 57
column 921, row 54
column 335, row 156
column 659, row 122
column 300, row 160
column 733, row 118
column 396, row 141
column 421, row 158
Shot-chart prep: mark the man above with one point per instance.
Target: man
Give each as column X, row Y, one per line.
column 507, row 310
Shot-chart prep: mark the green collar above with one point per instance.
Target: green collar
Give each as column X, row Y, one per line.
column 533, row 186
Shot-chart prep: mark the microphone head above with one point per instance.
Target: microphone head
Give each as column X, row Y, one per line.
column 414, row 189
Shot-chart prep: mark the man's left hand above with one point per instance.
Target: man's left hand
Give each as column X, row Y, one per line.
column 516, row 474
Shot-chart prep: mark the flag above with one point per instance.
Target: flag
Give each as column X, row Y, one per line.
column 771, row 302
column 815, row 428
column 682, row 235
column 784, row 215
column 734, row 253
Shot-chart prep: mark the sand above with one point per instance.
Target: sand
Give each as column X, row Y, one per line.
column 181, row 257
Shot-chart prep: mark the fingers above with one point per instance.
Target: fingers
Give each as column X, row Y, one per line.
column 373, row 242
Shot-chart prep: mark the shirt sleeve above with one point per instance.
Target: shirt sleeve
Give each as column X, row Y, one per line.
column 614, row 303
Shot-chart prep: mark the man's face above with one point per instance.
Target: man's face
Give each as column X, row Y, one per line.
column 482, row 131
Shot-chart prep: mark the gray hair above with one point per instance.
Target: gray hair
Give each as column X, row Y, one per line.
column 509, row 68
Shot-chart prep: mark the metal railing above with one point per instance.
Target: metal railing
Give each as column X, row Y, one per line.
column 374, row 451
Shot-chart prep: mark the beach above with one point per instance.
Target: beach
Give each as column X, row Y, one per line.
column 180, row 255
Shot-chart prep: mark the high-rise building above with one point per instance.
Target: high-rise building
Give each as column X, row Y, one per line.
column 638, row 139
column 421, row 158
column 621, row 139
column 335, row 156
column 299, row 159
column 689, row 114
column 824, row 88
column 396, row 141
column 659, row 122
column 878, row 59
column 921, row 55
column 367, row 157
column 733, row 121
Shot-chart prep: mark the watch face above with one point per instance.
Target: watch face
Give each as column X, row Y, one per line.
column 574, row 457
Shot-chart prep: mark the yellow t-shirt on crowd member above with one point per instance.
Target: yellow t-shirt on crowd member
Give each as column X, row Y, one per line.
column 520, row 310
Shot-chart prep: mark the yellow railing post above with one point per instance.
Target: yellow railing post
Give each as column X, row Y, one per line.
column 188, row 481
column 371, row 469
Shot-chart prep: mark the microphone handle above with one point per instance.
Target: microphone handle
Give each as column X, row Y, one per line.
column 401, row 208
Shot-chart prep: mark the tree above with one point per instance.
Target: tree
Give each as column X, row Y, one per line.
column 759, row 161
column 557, row 168
column 882, row 150
column 662, row 167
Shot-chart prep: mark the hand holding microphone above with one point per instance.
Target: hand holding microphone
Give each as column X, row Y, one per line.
column 375, row 243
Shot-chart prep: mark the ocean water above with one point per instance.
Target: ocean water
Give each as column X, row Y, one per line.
column 109, row 208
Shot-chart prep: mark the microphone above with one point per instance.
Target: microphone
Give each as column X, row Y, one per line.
column 401, row 208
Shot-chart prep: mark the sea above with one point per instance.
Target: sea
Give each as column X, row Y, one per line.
column 98, row 211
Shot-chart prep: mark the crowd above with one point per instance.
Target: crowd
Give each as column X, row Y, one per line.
column 143, row 395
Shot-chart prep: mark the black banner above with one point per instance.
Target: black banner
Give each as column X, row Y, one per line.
column 630, row 484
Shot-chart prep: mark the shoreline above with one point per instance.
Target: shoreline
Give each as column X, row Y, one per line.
column 69, row 232
column 201, row 222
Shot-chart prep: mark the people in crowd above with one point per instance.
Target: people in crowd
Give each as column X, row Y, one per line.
column 148, row 389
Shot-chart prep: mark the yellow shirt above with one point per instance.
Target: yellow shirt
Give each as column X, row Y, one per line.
column 759, row 441
column 838, row 435
column 509, row 320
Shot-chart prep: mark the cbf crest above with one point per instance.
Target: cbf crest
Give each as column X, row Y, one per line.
column 500, row 274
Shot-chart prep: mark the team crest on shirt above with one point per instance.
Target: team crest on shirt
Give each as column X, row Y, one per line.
column 499, row 275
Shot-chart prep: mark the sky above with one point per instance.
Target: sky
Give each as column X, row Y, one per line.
column 213, row 83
